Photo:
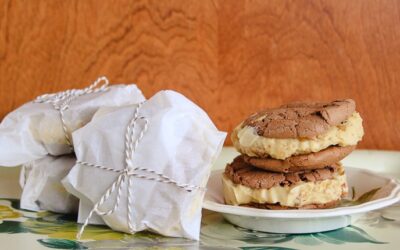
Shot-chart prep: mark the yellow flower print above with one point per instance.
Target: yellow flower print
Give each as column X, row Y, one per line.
column 8, row 213
column 56, row 227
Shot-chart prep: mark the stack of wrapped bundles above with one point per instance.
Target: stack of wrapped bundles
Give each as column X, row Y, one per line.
column 114, row 157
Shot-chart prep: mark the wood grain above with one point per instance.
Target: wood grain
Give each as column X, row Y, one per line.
column 230, row 57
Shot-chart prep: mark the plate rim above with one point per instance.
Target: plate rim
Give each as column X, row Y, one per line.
column 390, row 199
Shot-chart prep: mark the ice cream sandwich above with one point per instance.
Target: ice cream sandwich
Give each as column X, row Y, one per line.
column 290, row 156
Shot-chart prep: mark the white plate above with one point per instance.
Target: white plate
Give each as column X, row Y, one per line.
column 305, row 221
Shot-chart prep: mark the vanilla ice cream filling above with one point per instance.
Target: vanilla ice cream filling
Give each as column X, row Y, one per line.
column 246, row 140
column 298, row 195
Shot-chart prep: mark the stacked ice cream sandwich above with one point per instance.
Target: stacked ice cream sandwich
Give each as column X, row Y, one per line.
column 290, row 156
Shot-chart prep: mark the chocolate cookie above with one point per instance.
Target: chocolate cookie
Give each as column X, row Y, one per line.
column 240, row 172
column 330, row 204
column 300, row 120
column 326, row 157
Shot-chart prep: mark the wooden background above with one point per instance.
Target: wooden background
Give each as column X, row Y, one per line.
column 231, row 57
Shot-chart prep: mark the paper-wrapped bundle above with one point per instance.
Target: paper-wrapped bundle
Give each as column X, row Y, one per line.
column 44, row 126
column 42, row 188
column 153, row 161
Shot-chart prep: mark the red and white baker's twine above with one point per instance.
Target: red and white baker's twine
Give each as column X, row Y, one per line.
column 61, row 100
column 127, row 174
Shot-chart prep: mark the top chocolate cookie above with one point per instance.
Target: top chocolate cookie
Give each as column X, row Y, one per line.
column 301, row 119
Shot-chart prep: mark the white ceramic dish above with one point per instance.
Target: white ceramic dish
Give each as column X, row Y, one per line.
column 306, row 221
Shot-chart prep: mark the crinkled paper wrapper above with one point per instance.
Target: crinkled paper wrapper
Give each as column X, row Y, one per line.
column 35, row 130
column 42, row 188
column 181, row 142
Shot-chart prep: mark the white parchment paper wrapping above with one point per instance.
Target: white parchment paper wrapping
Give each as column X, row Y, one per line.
column 181, row 142
column 35, row 129
column 85, row 207
column 42, row 188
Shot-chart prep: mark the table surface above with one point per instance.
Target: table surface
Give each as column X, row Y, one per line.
column 21, row 229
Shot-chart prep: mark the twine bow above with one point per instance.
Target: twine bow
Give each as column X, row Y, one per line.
column 127, row 174
column 61, row 100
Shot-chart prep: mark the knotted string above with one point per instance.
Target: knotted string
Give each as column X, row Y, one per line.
column 127, row 174
column 61, row 100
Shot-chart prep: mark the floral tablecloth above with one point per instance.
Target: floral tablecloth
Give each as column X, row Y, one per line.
column 21, row 229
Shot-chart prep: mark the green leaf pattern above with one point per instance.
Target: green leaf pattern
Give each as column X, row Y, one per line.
column 61, row 244
column 216, row 233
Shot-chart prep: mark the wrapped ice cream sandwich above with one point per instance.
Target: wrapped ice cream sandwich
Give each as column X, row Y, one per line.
column 153, row 161
column 44, row 126
column 290, row 156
